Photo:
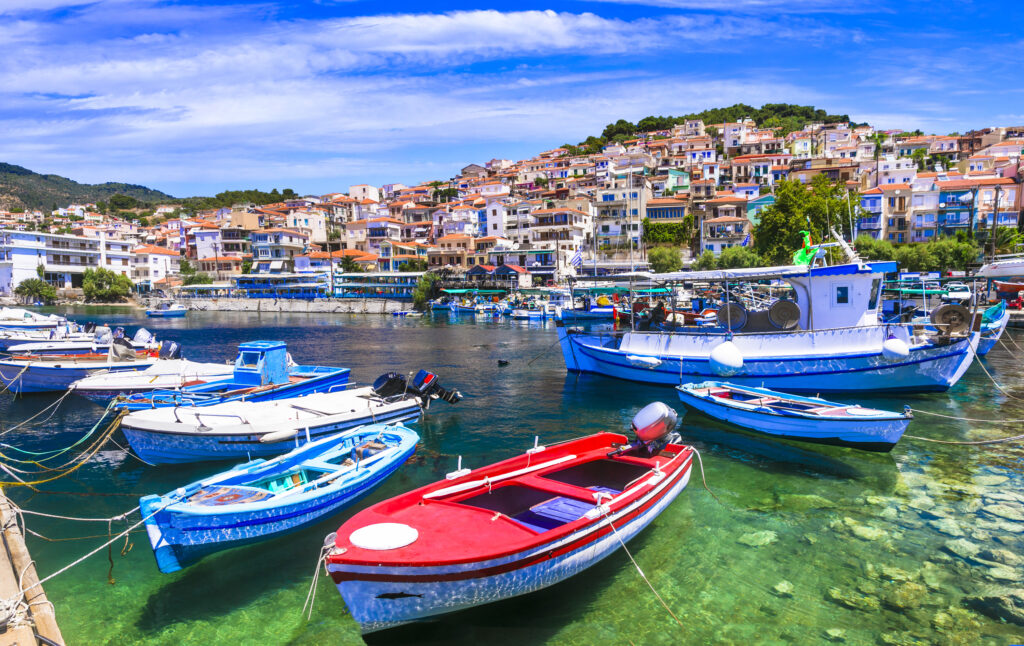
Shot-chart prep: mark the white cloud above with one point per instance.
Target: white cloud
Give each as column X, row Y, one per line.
column 758, row 6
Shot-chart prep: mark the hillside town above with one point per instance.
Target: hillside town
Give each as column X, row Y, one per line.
column 563, row 213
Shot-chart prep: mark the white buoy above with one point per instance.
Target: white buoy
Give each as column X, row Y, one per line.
column 895, row 349
column 726, row 359
column 279, row 436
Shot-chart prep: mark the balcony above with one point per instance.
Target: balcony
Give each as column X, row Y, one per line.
column 874, row 223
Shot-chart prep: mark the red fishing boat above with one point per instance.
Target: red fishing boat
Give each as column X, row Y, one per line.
column 509, row 528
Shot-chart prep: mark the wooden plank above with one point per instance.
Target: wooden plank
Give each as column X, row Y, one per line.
column 15, row 564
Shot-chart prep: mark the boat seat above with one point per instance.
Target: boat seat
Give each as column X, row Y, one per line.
column 552, row 513
column 216, row 496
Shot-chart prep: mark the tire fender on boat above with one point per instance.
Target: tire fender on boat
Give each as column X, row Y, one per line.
column 726, row 359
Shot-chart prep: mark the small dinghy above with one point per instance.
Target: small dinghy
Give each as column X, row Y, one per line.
column 266, row 498
column 509, row 528
column 168, row 309
column 21, row 319
column 239, row 429
column 162, row 375
column 262, row 371
column 809, row 419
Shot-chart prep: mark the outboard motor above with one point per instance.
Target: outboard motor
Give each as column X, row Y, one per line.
column 390, row 384
column 654, row 427
column 119, row 332
column 121, row 349
column 170, row 350
column 143, row 336
column 425, row 384
column 89, row 328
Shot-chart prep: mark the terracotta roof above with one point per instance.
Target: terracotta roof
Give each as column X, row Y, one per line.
column 151, row 249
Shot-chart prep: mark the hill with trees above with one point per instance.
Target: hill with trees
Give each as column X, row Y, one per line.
column 26, row 189
column 784, row 116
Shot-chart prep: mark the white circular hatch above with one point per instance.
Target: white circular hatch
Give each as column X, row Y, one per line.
column 383, row 536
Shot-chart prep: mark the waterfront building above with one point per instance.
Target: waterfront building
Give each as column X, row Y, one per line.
column 274, row 249
column 152, row 264
column 62, row 258
column 394, row 285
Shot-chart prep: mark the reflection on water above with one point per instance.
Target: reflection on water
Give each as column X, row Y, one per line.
column 875, row 548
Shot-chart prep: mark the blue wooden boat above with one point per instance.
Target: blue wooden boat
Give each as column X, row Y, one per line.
column 265, row 498
column 993, row 322
column 808, row 419
column 262, row 373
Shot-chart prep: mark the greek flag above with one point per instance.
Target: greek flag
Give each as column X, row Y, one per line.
column 746, row 241
column 577, row 260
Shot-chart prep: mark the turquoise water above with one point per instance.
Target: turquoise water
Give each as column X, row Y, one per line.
column 878, row 549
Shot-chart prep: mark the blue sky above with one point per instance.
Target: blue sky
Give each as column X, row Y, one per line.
column 194, row 98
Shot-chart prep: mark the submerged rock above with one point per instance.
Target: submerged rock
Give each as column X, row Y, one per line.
column 947, row 526
column 906, row 595
column 999, row 555
column 835, row 635
column 1014, row 513
column 783, row 589
column 895, row 574
column 758, row 539
column 852, row 600
column 1004, row 574
column 1007, row 607
column 990, row 481
column 867, row 533
column 803, row 502
column 962, row 547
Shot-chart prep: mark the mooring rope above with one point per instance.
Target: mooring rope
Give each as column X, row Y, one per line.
column 54, row 406
column 969, row 419
column 976, row 443
column 16, row 378
column 604, row 512
column 321, row 560
column 700, row 461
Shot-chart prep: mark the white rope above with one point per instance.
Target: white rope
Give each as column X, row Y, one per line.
column 700, row 461
column 969, row 419
column 311, row 595
column 604, row 511
column 54, row 406
column 97, row 550
column 84, row 520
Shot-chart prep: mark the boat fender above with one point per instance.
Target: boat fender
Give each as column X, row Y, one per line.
column 642, row 361
column 726, row 359
column 384, row 536
column 279, row 436
column 894, row 348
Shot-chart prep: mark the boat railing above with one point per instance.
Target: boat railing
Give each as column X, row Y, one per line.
column 696, row 331
column 198, row 416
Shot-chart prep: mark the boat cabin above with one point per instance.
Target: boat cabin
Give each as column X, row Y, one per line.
column 260, row 363
column 839, row 296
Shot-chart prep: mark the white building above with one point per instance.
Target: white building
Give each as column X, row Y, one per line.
column 64, row 258
column 151, row 264
column 362, row 192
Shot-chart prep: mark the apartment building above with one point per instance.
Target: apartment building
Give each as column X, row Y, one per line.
column 63, row 258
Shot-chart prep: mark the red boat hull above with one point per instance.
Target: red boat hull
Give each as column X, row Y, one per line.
column 488, row 535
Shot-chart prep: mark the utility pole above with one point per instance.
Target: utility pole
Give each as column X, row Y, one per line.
column 995, row 220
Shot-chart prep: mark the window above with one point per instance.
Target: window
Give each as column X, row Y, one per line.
column 843, row 295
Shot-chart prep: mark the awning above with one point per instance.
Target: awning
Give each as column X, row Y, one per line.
column 276, row 264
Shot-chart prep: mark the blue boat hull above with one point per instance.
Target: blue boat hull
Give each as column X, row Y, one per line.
column 43, row 378
column 869, row 434
column 180, row 539
column 337, row 380
column 991, row 332
column 160, row 447
column 927, row 369
column 166, row 314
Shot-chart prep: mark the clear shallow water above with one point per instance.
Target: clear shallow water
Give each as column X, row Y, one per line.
column 804, row 540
